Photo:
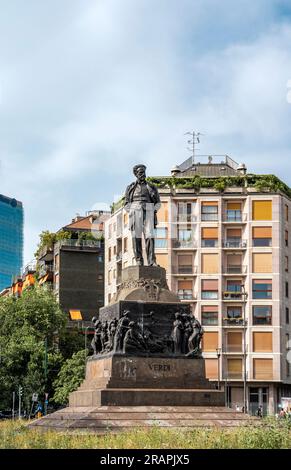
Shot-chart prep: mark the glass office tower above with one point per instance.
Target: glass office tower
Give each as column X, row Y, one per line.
column 11, row 240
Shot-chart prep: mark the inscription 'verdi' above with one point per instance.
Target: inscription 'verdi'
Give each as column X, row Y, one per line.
column 160, row 367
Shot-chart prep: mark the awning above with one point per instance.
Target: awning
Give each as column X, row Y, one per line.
column 75, row 315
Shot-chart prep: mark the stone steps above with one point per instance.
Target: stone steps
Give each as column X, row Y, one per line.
column 105, row 419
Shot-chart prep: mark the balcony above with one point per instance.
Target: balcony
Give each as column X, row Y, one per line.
column 209, row 217
column 232, row 295
column 235, row 269
column 119, row 256
column 45, row 269
column 228, row 321
column 184, row 244
column 234, row 217
column 186, row 296
column 209, row 243
column 186, row 269
column 233, row 348
column 234, row 375
column 232, row 243
column 79, row 244
column 186, row 218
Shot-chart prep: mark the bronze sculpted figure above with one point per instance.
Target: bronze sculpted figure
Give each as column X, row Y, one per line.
column 195, row 338
column 142, row 201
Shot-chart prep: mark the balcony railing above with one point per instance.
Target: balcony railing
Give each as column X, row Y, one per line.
column 118, row 256
column 80, row 243
column 234, row 244
column 235, row 269
column 43, row 270
column 231, row 295
column 186, row 296
column 234, row 375
column 209, row 217
column 184, row 269
column 184, row 243
column 233, row 348
column 186, row 218
column 235, row 216
column 233, row 321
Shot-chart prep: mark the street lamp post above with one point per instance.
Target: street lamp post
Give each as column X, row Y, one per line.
column 86, row 333
column 245, row 401
column 218, row 352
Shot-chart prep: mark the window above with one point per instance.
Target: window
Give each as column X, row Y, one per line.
column 234, row 368
column 262, row 315
column 233, row 238
column 125, row 218
column 209, row 211
column 234, row 341
column 209, row 237
column 110, row 231
column 286, row 264
column 286, row 238
column 114, row 273
column 233, row 212
column 211, row 368
column 234, row 313
column 125, row 245
column 234, row 286
column 286, row 289
column 209, row 263
column 100, row 277
column 161, row 238
column 263, row 369
column 185, row 290
column 209, row 289
column 109, row 298
column 286, row 213
column 109, row 277
column 262, row 341
column 262, row 263
column 287, row 315
column 185, row 211
column 209, row 315
column 262, row 236
column 210, row 341
column 262, row 289
column 185, row 264
column 162, row 260
column 109, row 254
column 234, row 264
column 184, row 235
column 162, row 213
column 100, row 258
column 262, row 210
column 114, row 250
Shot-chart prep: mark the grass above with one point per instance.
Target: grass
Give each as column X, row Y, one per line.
column 271, row 435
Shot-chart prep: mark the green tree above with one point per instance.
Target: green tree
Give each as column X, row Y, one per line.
column 33, row 340
column 69, row 378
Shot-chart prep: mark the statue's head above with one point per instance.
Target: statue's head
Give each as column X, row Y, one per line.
column 140, row 172
column 93, row 319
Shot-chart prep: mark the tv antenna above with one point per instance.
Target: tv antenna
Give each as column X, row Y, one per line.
column 192, row 142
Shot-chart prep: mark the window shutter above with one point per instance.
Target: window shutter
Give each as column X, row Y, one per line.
column 210, row 341
column 211, row 368
column 209, row 232
column 262, row 210
column 263, row 369
column 262, row 232
column 262, row 263
column 210, row 263
column 262, row 342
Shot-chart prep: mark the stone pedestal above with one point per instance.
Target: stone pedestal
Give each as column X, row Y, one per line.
column 122, row 381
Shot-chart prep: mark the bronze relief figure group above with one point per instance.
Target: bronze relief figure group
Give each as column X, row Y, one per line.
column 128, row 336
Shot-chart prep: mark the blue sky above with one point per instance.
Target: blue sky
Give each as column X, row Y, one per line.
column 89, row 88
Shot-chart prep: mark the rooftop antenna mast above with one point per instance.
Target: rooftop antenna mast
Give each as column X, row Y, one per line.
column 192, row 142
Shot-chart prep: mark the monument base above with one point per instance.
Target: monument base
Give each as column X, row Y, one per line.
column 121, row 381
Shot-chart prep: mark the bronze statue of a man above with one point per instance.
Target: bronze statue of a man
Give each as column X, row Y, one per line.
column 142, row 201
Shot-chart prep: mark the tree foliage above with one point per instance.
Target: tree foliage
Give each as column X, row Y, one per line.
column 33, row 339
column 69, row 378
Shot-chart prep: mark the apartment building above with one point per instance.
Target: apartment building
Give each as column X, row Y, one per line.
column 223, row 238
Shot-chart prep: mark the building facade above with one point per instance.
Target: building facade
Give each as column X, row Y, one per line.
column 11, row 240
column 223, row 238
column 74, row 266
